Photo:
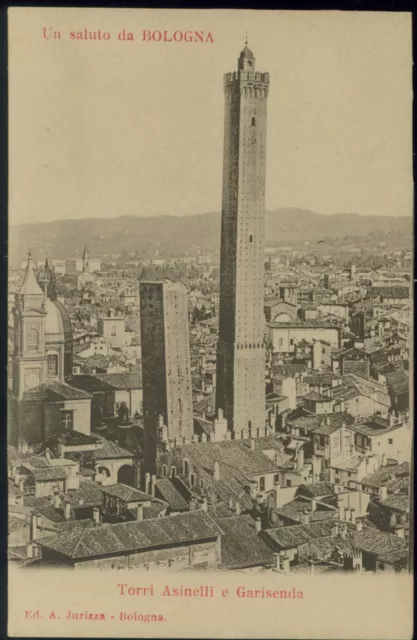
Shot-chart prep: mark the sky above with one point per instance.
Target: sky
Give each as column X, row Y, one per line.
column 110, row 128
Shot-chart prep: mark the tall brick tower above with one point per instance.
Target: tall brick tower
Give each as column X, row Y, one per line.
column 240, row 389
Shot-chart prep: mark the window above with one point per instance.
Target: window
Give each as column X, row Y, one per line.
column 276, row 478
column 52, row 365
column 67, row 420
column 381, row 567
column 281, row 342
column 288, row 483
column 292, row 341
column 33, row 340
column 390, row 441
column 192, row 479
column 173, row 472
column 262, row 484
column 253, row 121
column 113, row 330
column 164, row 470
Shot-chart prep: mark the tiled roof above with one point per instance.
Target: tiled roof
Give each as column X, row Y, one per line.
column 398, row 381
column 304, row 419
column 385, row 474
column 296, row 509
column 72, row 437
column 122, row 380
column 397, row 502
column 289, row 370
column 241, row 545
column 110, row 450
column 126, row 493
column 386, row 546
column 49, row 473
column 316, row 489
column 14, row 524
column 171, row 494
column 295, row 535
column 203, row 426
column 87, row 495
column 134, row 536
column 61, row 391
column 317, row 397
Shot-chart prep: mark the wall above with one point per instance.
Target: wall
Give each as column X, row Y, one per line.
column 176, row 557
column 283, row 339
column 132, row 397
column 113, row 330
column 81, row 416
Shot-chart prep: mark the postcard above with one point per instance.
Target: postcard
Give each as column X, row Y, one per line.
column 210, row 324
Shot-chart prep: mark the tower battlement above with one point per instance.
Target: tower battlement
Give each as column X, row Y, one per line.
column 234, row 77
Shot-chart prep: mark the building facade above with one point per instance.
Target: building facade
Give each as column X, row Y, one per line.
column 166, row 367
column 240, row 390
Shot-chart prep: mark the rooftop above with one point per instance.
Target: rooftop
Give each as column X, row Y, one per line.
column 134, row 536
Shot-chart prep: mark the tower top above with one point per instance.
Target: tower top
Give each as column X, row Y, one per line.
column 246, row 60
column 30, row 285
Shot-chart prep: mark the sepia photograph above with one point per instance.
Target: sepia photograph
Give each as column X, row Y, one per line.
column 209, row 316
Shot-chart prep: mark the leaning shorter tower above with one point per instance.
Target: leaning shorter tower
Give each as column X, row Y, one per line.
column 166, row 366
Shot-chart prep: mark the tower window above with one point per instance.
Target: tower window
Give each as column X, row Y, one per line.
column 253, row 122
column 33, row 340
column 251, row 238
column 52, row 365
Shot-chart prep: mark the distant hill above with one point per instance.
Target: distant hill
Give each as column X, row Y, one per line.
column 175, row 236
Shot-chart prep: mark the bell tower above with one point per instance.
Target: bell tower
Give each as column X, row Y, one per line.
column 29, row 357
column 240, row 388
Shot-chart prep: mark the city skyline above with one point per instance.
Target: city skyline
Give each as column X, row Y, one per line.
column 346, row 101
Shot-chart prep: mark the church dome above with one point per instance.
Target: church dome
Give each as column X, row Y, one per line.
column 46, row 279
column 57, row 322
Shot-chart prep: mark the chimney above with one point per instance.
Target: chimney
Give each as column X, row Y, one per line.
column 153, row 485
column 285, row 563
column 311, row 563
column 96, row 515
column 67, row 510
column 359, row 524
column 352, row 514
column 306, row 517
column 399, row 531
column 313, row 505
column 147, row 483
column 341, row 508
column 383, row 492
column 258, row 524
column 29, row 550
column 343, row 531
column 383, row 460
column 252, row 444
column 47, row 454
column 276, row 566
column 237, row 508
column 139, row 512
column 335, row 530
column 33, row 527
column 204, row 505
column 300, row 458
column 216, row 471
